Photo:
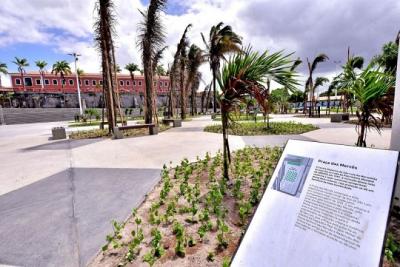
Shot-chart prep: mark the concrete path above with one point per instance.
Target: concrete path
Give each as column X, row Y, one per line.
column 57, row 198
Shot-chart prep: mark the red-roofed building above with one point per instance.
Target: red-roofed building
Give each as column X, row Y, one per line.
column 89, row 83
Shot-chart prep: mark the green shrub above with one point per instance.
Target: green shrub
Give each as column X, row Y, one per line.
column 259, row 128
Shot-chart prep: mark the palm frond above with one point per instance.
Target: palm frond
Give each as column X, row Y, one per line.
column 318, row 59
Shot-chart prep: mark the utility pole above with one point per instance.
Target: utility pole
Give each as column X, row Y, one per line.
column 75, row 55
column 395, row 138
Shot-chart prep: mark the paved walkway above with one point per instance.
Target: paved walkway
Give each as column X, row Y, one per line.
column 57, row 198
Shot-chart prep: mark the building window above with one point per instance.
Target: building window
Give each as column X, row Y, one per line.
column 55, row 82
column 128, row 83
column 87, row 82
column 101, row 82
column 161, row 83
column 18, row 81
column 28, row 81
column 63, row 81
column 140, row 83
column 155, row 83
column 94, row 82
column 121, row 83
column 165, row 84
column 80, row 82
column 38, row 82
column 71, row 82
column 47, row 81
column 134, row 83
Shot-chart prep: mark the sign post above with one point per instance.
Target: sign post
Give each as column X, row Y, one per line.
column 326, row 205
column 395, row 138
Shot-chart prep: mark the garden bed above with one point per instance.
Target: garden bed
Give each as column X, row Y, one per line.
column 103, row 133
column 193, row 217
column 259, row 128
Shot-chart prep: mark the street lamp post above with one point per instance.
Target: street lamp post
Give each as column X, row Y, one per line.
column 75, row 55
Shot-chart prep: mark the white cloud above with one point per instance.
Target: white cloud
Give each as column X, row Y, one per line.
column 302, row 26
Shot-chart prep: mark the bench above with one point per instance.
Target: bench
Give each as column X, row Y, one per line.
column 153, row 130
column 175, row 122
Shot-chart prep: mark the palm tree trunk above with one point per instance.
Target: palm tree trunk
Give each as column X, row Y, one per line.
column 226, row 151
column 214, row 90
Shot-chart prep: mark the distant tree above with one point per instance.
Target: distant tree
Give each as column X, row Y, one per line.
column 221, row 40
column 309, row 87
column 344, row 81
column 61, row 68
column 91, row 112
column 132, row 67
column 388, row 57
column 160, row 71
column 195, row 59
column 22, row 63
column 3, row 70
column 41, row 64
column 175, row 71
column 151, row 39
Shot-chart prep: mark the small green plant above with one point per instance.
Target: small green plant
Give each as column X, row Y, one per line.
column 179, row 232
column 156, row 248
column 221, row 236
column 211, row 256
column 226, row 262
column 392, row 248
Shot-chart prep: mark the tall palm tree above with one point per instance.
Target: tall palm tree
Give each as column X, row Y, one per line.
column 222, row 40
column 132, row 67
column 244, row 75
column 319, row 81
column 3, row 70
column 195, row 59
column 151, row 39
column 104, row 32
column 61, row 68
column 41, row 64
column 348, row 76
column 22, row 63
column 175, row 72
column 369, row 87
column 310, row 82
column 156, row 59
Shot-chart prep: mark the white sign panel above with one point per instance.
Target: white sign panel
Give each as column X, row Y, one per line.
column 326, row 205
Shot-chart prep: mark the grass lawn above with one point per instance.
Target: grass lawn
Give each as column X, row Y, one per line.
column 192, row 217
column 259, row 128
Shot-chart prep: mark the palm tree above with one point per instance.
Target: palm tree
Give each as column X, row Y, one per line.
column 222, row 40
column 195, row 59
column 22, row 63
column 3, row 70
column 104, row 31
column 62, row 68
column 243, row 75
column 160, row 71
column 132, row 67
column 369, row 87
column 156, row 58
column 332, row 86
column 319, row 81
column 310, row 83
column 41, row 64
column 175, row 71
column 151, row 39
column 346, row 79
